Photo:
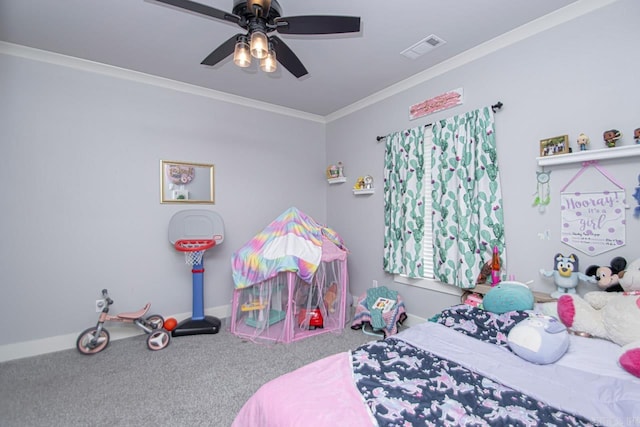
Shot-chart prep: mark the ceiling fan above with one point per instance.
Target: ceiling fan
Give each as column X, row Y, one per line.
column 259, row 18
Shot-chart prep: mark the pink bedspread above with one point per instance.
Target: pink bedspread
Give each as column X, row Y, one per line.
column 304, row 390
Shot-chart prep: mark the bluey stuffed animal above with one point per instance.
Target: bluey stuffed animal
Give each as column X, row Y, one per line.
column 566, row 275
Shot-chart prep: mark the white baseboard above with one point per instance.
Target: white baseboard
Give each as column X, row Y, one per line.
column 117, row 331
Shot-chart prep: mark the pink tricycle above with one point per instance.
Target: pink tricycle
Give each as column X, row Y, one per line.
column 95, row 339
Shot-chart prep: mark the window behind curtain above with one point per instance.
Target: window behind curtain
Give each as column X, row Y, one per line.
column 428, row 280
column 398, row 148
column 466, row 143
column 427, row 242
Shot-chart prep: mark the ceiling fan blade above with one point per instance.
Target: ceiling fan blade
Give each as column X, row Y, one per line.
column 221, row 52
column 318, row 24
column 287, row 58
column 202, row 9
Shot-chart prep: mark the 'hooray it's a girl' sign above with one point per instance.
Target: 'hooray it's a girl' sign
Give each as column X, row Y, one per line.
column 593, row 222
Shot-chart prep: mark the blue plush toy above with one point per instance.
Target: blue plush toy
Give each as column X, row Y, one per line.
column 508, row 296
column 539, row 339
column 566, row 275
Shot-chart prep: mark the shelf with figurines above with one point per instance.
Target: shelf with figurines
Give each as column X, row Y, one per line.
column 612, row 150
column 364, row 185
column 338, row 180
column 335, row 174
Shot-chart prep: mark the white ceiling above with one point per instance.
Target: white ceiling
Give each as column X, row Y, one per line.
column 155, row 39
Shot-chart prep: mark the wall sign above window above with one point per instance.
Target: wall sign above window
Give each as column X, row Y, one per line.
column 441, row 102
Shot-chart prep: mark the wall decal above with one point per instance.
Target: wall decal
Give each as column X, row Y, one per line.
column 441, row 102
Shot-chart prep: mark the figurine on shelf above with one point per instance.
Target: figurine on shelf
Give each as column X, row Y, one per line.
column 332, row 172
column 340, row 170
column 368, row 182
column 359, row 185
column 583, row 141
column 636, row 135
column 611, row 136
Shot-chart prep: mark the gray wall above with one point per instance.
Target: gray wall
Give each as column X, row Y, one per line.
column 581, row 76
column 80, row 153
column 80, row 161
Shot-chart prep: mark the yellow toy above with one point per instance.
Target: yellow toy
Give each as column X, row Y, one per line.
column 250, row 306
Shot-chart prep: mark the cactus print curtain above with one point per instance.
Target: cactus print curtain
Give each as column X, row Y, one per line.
column 404, row 216
column 467, row 200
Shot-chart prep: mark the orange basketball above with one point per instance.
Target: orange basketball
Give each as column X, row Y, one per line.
column 170, row 324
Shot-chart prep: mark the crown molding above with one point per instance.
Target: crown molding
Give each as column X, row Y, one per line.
column 558, row 17
column 136, row 76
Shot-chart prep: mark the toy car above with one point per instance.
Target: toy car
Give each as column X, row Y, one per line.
column 310, row 319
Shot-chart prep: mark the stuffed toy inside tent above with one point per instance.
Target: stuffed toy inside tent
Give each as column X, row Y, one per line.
column 290, row 281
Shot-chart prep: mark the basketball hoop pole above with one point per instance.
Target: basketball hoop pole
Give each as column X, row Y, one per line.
column 198, row 323
column 198, row 291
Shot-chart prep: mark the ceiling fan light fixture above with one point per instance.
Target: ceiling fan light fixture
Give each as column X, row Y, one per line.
column 258, row 19
column 241, row 54
column 259, row 44
column 269, row 63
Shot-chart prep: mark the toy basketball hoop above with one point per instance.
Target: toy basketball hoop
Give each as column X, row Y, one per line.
column 192, row 232
column 193, row 249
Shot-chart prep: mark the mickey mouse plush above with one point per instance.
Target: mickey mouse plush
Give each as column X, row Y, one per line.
column 607, row 275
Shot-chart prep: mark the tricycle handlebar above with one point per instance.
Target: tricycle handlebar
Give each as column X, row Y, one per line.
column 105, row 295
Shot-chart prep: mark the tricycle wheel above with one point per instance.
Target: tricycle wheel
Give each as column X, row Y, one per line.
column 157, row 340
column 90, row 342
column 155, row 321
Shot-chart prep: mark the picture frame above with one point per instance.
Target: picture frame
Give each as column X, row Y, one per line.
column 554, row 146
column 186, row 182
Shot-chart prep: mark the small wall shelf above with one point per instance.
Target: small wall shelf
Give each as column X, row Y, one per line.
column 362, row 192
column 585, row 156
column 338, row 180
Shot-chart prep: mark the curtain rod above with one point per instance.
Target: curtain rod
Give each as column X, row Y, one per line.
column 495, row 107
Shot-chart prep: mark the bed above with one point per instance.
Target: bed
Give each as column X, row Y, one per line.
column 457, row 370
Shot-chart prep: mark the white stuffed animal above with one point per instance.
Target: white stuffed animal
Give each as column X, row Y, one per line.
column 630, row 283
column 610, row 315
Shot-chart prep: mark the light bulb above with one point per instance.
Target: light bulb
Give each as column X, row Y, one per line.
column 269, row 64
column 259, row 44
column 241, row 55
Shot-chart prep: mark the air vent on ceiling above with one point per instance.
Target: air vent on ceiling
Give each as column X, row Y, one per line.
column 423, row 46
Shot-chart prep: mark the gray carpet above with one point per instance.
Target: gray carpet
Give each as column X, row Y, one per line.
column 199, row 380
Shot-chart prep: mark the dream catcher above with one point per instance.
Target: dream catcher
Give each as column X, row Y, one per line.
column 543, row 194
